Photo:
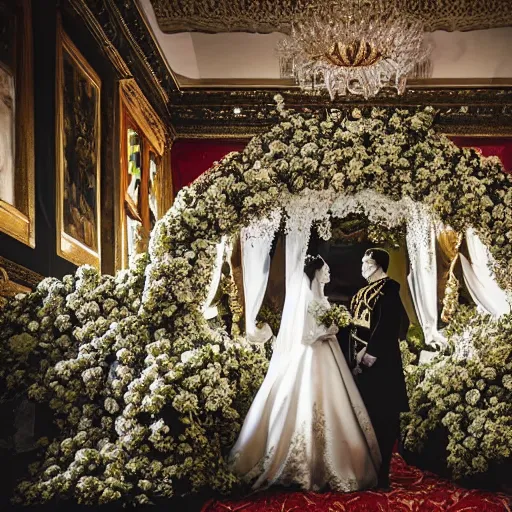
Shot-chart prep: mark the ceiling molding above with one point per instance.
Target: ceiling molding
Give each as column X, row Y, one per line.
column 187, row 83
column 265, row 17
column 214, row 113
column 125, row 38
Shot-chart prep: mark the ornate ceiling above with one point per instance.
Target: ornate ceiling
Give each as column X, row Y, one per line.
column 265, row 16
column 124, row 36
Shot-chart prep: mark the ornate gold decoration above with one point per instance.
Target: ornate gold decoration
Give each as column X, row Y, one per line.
column 20, row 274
column 363, row 302
column 230, row 290
column 353, row 55
column 126, row 39
column 236, row 270
column 144, row 114
column 165, row 195
column 449, row 243
column 15, row 279
column 18, row 220
column 115, row 6
column 69, row 247
column 265, row 17
column 9, row 288
column 98, row 31
column 463, row 109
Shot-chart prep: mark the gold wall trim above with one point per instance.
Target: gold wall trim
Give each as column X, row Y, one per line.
column 67, row 246
column 20, row 276
column 9, row 288
column 99, row 34
column 19, row 221
column 241, row 113
column 134, row 107
column 143, row 114
column 186, row 82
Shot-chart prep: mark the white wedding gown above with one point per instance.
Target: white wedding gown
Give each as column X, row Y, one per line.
column 307, row 424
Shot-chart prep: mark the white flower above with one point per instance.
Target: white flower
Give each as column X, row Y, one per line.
column 186, row 356
column 111, row 405
column 507, row 381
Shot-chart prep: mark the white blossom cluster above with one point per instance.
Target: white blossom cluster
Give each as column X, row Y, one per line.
column 147, row 398
column 470, row 398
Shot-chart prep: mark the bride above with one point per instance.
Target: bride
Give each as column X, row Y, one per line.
column 307, row 425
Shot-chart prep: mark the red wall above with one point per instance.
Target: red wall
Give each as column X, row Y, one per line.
column 191, row 157
column 489, row 146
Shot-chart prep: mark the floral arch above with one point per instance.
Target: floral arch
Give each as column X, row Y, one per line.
column 147, row 400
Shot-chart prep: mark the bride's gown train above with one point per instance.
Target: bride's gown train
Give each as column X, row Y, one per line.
column 308, row 425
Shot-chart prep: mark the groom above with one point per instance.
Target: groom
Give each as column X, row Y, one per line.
column 377, row 311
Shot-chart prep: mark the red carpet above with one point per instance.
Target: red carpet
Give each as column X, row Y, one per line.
column 412, row 491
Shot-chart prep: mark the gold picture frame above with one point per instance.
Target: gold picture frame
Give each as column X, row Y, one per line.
column 137, row 113
column 17, row 216
column 78, row 169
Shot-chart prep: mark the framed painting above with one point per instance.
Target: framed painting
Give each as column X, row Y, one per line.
column 17, row 210
column 78, row 132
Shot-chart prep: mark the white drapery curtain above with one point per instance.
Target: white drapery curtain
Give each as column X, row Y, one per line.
column 422, row 278
column 255, row 269
column 297, row 290
column 479, row 280
column 210, row 311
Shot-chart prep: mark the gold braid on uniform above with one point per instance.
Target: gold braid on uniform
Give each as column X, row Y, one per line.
column 363, row 302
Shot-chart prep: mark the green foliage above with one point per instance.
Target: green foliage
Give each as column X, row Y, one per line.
column 268, row 315
column 415, row 338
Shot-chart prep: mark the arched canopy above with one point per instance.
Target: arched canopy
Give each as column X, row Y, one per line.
column 394, row 154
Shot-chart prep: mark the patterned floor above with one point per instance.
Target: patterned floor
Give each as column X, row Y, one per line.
column 412, row 491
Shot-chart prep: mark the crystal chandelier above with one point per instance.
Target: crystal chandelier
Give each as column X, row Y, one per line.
column 355, row 46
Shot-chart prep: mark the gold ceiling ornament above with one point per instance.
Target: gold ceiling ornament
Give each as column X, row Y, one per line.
column 355, row 46
column 354, row 54
column 264, row 17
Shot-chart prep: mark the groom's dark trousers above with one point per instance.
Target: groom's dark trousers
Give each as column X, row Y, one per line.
column 382, row 385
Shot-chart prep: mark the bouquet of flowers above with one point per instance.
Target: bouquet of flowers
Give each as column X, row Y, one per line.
column 337, row 315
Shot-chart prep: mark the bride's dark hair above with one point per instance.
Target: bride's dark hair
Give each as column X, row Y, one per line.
column 311, row 265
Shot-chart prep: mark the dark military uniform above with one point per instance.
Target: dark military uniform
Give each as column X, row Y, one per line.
column 378, row 312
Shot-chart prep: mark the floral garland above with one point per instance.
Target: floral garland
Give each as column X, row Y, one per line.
column 146, row 397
